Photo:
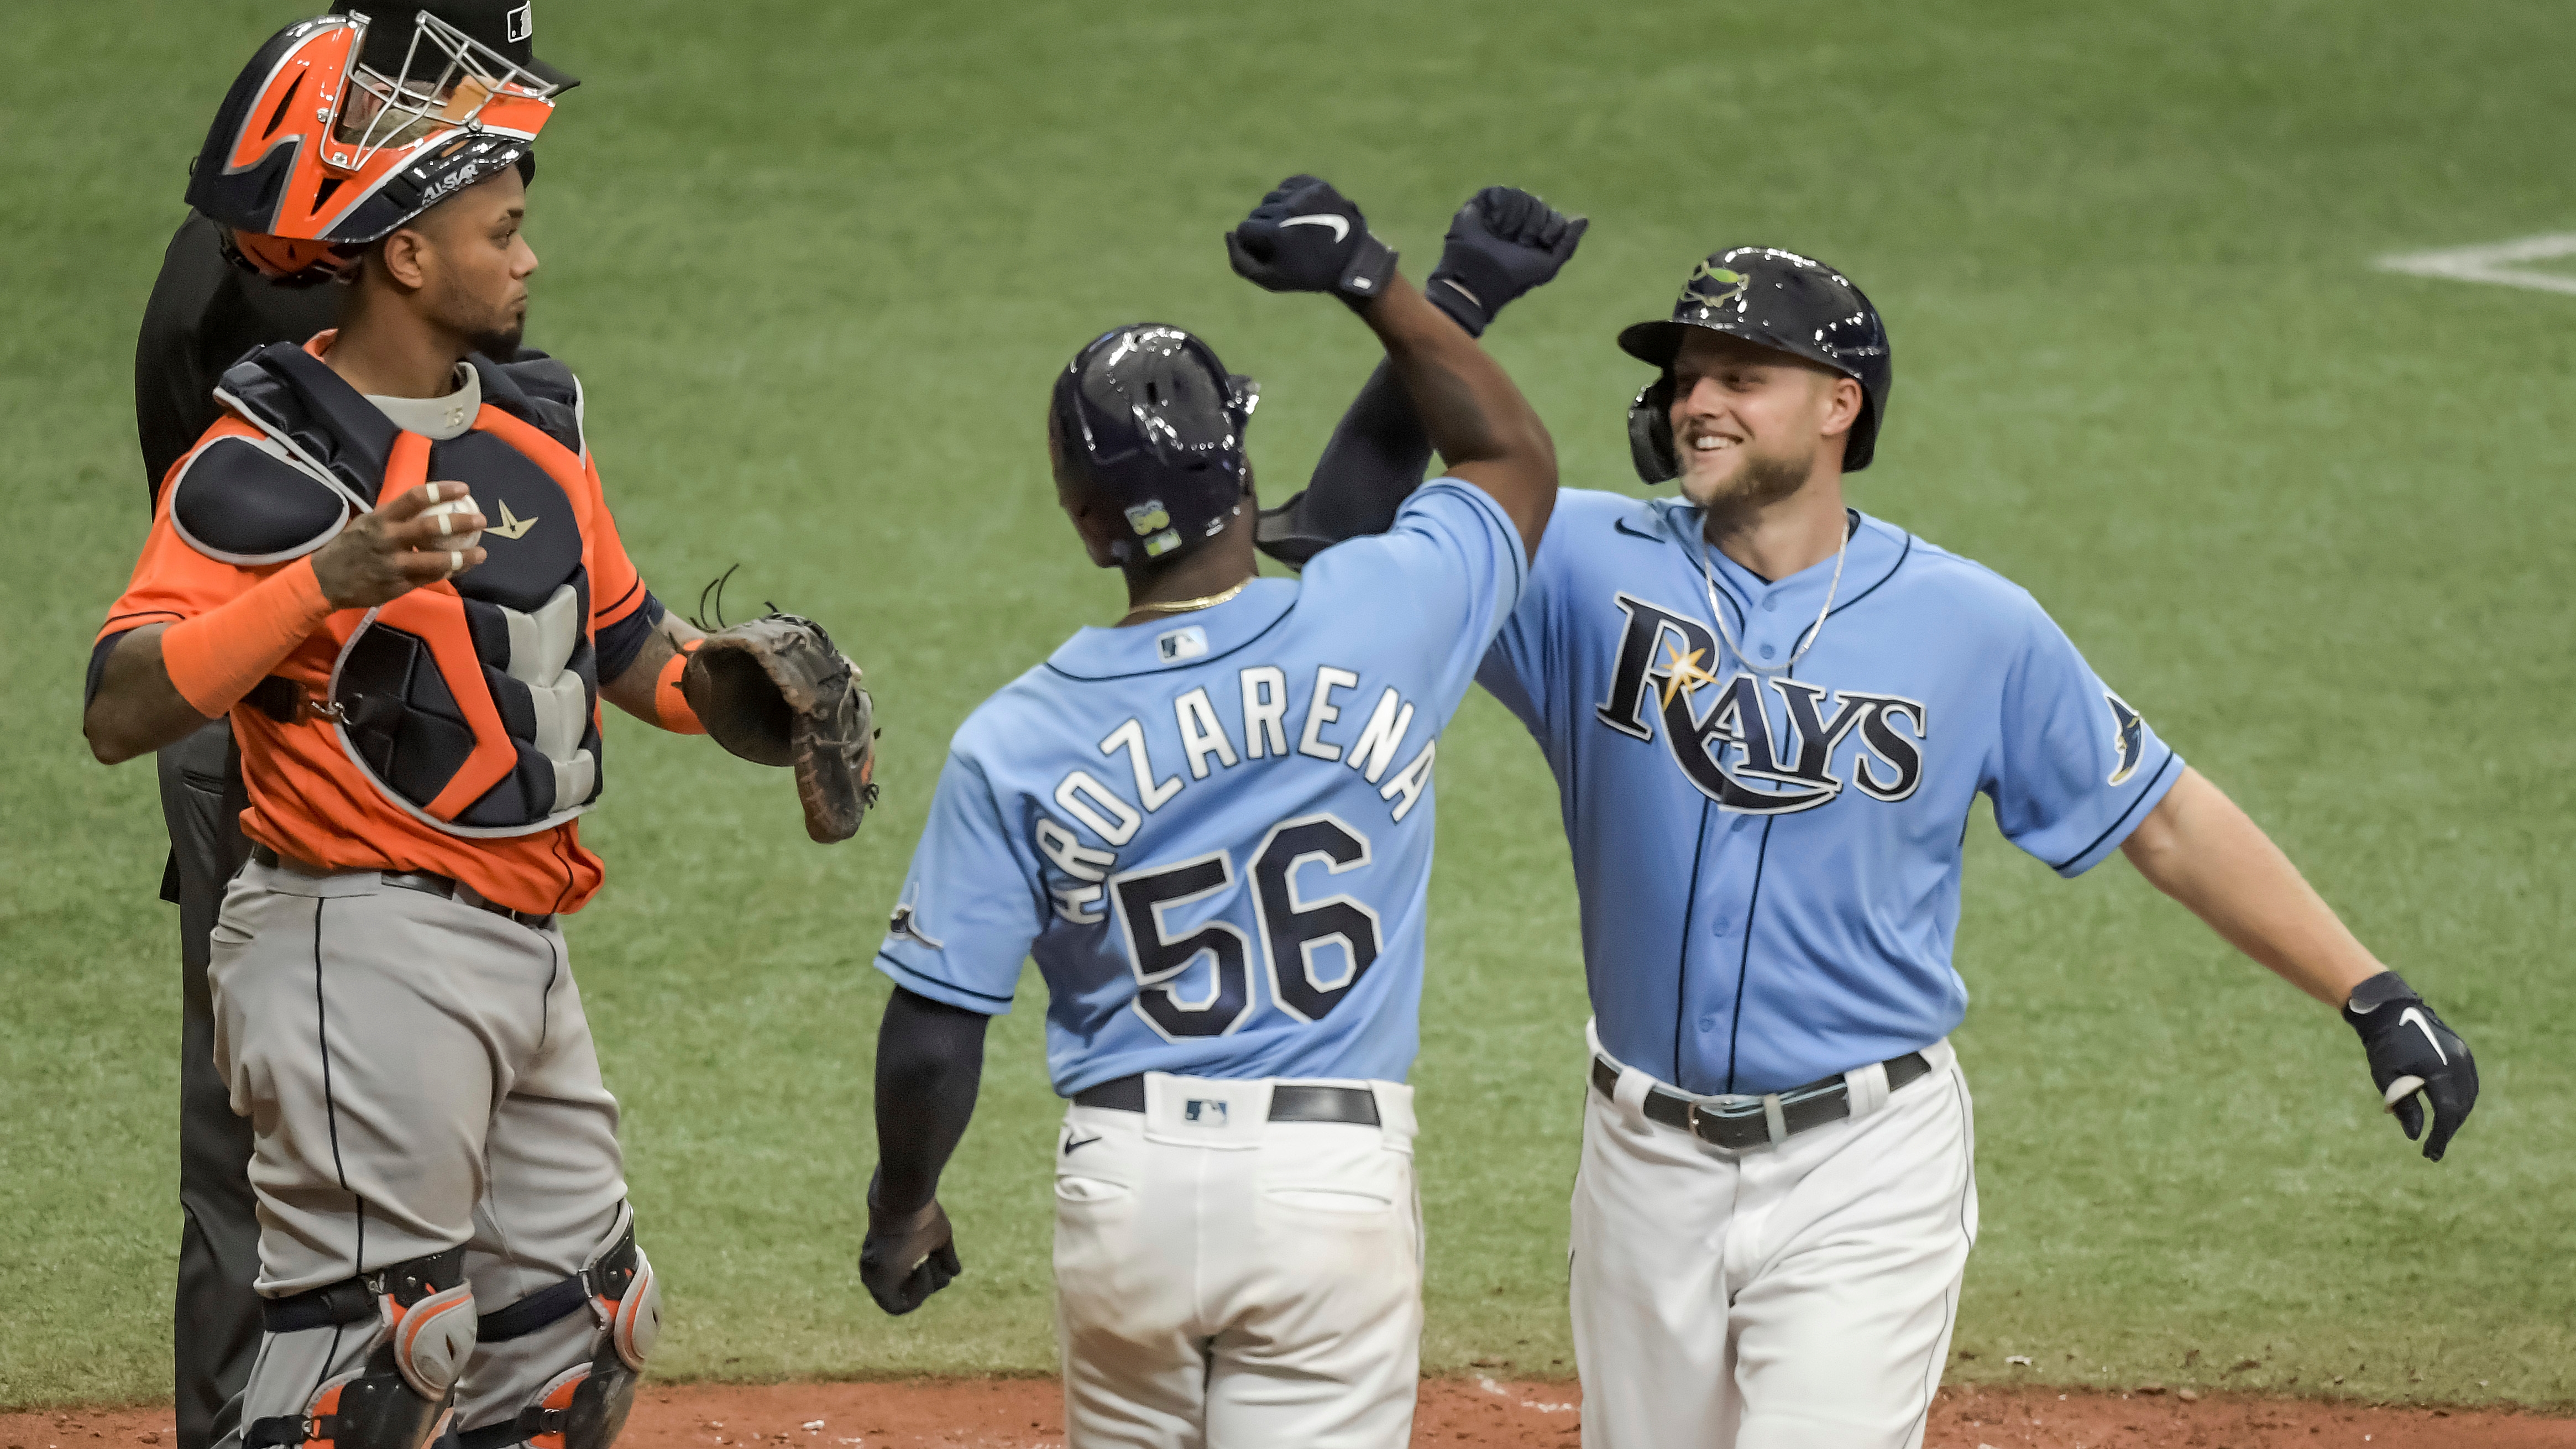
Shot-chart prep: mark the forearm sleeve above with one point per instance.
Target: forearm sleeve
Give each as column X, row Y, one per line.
column 1375, row 460
column 215, row 658
column 930, row 1061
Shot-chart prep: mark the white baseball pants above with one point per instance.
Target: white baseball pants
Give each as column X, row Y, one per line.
column 1224, row 1280
column 1797, row 1296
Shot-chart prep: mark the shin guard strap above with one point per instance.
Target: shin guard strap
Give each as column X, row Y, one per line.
column 491, row 1436
column 527, row 1316
column 353, row 1300
column 286, row 1429
column 347, row 1301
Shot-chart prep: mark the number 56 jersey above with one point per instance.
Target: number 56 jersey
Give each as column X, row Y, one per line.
column 1213, row 832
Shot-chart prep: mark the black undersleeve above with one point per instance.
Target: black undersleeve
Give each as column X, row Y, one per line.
column 930, row 1061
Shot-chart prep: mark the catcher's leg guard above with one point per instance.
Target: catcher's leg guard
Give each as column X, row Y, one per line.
column 418, row 1328
column 584, row 1406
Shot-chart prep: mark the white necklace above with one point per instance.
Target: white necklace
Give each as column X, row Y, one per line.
column 1814, row 632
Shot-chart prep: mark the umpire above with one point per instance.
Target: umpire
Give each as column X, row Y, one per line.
column 206, row 311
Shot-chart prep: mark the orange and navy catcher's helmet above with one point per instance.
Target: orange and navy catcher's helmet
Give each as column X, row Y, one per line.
column 343, row 128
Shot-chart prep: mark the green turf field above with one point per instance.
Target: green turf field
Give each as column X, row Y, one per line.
column 816, row 261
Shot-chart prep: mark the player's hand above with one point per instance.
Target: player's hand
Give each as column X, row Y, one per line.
column 2412, row 1052
column 906, row 1257
column 1503, row 243
column 402, row 545
column 1307, row 237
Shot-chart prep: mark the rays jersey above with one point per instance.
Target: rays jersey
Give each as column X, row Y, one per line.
column 1769, row 855
column 1214, row 832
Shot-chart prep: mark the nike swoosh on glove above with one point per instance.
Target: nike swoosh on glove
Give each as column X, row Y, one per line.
column 2412, row 1053
column 1307, row 237
column 1503, row 244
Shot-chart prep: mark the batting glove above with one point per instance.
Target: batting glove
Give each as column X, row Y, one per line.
column 907, row 1256
column 2412, row 1052
column 1307, row 237
column 1503, row 243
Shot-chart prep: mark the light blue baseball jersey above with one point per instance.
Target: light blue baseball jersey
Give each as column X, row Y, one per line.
column 1769, row 860
column 1214, row 833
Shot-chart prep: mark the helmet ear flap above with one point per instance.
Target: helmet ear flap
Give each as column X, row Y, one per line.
column 1650, row 432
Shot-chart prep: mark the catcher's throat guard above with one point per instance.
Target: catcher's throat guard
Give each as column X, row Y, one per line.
column 344, row 127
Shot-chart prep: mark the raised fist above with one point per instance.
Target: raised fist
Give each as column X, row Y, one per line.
column 1307, row 237
column 1502, row 243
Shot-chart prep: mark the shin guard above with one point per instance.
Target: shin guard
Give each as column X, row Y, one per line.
column 418, row 1319
column 585, row 1405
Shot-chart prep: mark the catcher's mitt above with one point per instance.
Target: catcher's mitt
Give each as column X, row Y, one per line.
column 776, row 692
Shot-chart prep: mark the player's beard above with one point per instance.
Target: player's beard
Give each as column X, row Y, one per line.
column 1760, row 479
column 494, row 331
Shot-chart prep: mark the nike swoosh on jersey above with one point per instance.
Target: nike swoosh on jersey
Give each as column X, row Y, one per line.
column 1341, row 225
column 1074, row 1142
column 2416, row 1015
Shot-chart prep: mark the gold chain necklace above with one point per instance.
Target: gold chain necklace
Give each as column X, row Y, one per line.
column 1183, row 606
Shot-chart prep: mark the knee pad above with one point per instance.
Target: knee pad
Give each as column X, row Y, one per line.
column 421, row 1328
column 584, row 1406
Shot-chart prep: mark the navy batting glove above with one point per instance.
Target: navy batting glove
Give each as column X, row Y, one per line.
column 1503, row 243
column 907, row 1256
column 2412, row 1052
column 1307, row 237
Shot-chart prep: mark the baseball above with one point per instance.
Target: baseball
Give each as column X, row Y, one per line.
column 458, row 542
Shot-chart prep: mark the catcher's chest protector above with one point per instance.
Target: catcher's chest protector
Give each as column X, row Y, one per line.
column 472, row 704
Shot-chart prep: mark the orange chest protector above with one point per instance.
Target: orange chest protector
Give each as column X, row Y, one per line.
column 472, row 704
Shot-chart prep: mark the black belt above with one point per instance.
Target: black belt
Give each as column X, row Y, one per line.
column 1748, row 1123
column 425, row 882
column 1289, row 1101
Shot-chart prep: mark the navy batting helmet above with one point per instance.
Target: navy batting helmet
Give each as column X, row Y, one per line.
column 1148, row 417
column 1779, row 300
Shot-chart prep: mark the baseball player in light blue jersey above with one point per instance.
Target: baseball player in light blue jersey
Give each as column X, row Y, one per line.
column 1768, row 715
column 1212, row 825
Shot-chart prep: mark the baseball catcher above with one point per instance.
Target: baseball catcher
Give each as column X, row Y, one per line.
column 391, row 563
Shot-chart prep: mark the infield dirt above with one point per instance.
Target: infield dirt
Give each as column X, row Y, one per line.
column 1027, row 1414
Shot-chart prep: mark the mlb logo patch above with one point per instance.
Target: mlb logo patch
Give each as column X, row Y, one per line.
column 522, row 21
column 1181, row 644
column 1204, row 1111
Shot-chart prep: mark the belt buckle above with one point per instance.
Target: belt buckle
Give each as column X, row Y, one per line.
column 1775, row 1126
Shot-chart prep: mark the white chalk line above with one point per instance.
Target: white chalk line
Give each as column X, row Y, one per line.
column 1491, row 1387
column 2494, row 263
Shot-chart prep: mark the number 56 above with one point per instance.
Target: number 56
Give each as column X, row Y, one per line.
column 1294, row 931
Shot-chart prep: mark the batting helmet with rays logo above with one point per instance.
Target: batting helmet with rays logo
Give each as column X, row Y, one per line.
column 343, row 128
column 1147, row 418
column 1777, row 299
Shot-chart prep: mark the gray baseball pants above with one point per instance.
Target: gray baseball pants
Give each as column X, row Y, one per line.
column 418, row 1075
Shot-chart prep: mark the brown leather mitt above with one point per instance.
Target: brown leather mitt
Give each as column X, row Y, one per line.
column 776, row 692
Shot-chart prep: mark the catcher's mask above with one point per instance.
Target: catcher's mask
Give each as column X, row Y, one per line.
column 344, row 127
column 1779, row 300
column 1147, row 418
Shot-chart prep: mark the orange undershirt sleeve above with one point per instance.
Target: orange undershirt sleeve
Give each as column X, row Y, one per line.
column 218, row 656
column 670, row 706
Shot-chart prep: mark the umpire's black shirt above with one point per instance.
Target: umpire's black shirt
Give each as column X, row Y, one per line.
column 204, row 314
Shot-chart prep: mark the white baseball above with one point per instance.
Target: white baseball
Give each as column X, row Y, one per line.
column 440, row 512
